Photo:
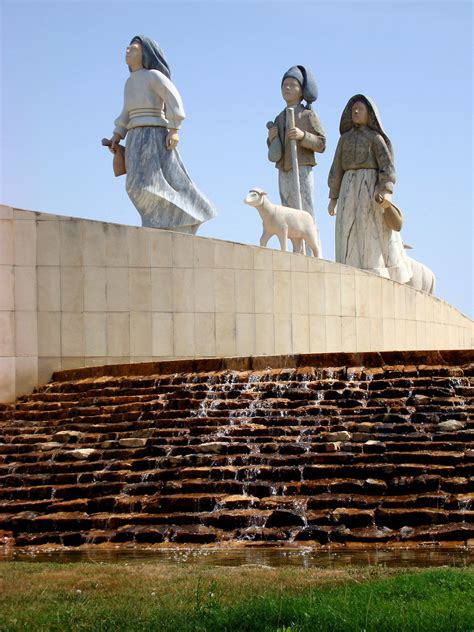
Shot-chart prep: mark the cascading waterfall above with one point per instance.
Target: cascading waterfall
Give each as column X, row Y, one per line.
column 377, row 455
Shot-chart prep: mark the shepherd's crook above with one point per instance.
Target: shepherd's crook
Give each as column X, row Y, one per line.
column 290, row 120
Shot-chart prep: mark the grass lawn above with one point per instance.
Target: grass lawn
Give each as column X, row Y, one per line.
column 183, row 597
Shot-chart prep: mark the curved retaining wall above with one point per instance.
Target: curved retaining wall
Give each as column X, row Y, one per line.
column 77, row 293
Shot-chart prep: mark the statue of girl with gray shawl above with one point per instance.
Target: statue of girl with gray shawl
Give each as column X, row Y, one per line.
column 157, row 181
column 297, row 84
column 361, row 183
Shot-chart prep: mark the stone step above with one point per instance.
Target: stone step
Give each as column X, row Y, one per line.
column 164, row 469
column 141, row 534
column 330, row 455
column 215, row 407
column 309, row 467
column 274, row 410
column 255, row 432
column 63, row 492
column 331, row 508
column 197, row 534
column 291, row 440
column 425, row 398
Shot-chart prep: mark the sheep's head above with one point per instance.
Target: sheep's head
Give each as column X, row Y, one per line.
column 255, row 197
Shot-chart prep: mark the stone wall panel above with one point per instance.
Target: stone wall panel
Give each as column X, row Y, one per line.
column 78, row 292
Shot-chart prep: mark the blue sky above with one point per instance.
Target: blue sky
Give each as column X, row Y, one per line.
column 63, row 73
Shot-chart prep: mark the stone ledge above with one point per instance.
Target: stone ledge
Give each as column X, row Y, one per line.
column 259, row 363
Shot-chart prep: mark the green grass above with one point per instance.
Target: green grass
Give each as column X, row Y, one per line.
column 146, row 596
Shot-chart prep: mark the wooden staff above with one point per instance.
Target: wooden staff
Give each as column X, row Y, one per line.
column 290, row 118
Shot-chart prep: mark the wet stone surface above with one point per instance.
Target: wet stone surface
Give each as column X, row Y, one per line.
column 325, row 455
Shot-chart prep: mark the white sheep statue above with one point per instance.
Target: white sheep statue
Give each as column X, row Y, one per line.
column 423, row 278
column 284, row 222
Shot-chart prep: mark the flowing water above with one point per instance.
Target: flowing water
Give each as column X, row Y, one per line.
column 281, row 456
column 274, row 557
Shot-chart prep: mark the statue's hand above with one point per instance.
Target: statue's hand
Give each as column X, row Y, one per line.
column 384, row 200
column 295, row 133
column 332, row 207
column 272, row 133
column 172, row 139
column 114, row 141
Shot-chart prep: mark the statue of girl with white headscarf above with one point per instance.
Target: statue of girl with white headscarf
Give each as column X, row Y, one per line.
column 157, row 181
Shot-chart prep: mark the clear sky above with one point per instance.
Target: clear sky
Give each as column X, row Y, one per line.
column 63, row 73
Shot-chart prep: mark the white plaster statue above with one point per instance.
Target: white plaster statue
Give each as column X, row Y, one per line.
column 361, row 182
column 284, row 222
column 304, row 133
column 157, row 181
column 423, row 278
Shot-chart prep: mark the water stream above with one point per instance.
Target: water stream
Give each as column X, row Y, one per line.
column 290, row 456
column 254, row 556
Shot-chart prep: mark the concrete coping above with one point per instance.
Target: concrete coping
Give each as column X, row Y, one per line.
column 370, row 359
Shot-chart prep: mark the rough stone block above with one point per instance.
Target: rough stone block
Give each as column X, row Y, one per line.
column 342, row 435
column 133, row 442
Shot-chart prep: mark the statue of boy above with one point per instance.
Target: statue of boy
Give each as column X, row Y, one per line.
column 298, row 84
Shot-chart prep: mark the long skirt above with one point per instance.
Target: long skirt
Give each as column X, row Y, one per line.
column 363, row 239
column 289, row 196
column 159, row 185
